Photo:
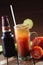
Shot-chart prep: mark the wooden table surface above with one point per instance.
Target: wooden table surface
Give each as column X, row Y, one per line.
column 13, row 61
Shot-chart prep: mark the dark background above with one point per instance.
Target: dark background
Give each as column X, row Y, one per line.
column 23, row 9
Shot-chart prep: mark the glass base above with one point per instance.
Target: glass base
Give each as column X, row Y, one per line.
column 25, row 58
column 25, row 61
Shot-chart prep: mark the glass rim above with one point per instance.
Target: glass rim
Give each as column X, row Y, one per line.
column 21, row 26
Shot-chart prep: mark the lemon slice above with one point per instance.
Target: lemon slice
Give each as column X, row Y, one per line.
column 28, row 22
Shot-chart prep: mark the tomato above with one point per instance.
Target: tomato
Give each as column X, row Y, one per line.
column 38, row 41
column 36, row 52
column 42, row 52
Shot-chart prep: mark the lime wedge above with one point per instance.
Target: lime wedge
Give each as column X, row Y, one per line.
column 0, row 48
column 28, row 22
column 16, row 46
column 30, row 44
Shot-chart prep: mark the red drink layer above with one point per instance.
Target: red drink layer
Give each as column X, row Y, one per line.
column 22, row 38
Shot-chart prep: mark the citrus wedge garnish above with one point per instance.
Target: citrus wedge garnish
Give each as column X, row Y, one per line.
column 28, row 22
column 16, row 46
column 0, row 48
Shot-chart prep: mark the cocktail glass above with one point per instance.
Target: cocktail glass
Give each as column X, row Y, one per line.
column 22, row 35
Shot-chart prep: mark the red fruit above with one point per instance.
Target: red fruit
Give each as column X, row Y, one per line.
column 42, row 52
column 38, row 41
column 36, row 52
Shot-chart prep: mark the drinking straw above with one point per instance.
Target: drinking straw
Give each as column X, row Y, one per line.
column 14, row 24
column 13, row 15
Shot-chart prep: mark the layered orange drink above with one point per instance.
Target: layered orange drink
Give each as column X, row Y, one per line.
column 23, row 40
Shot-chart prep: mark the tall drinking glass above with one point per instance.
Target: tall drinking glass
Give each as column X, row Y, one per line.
column 22, row 35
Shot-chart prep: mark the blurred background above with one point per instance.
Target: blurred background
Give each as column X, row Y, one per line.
column 23, row 9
